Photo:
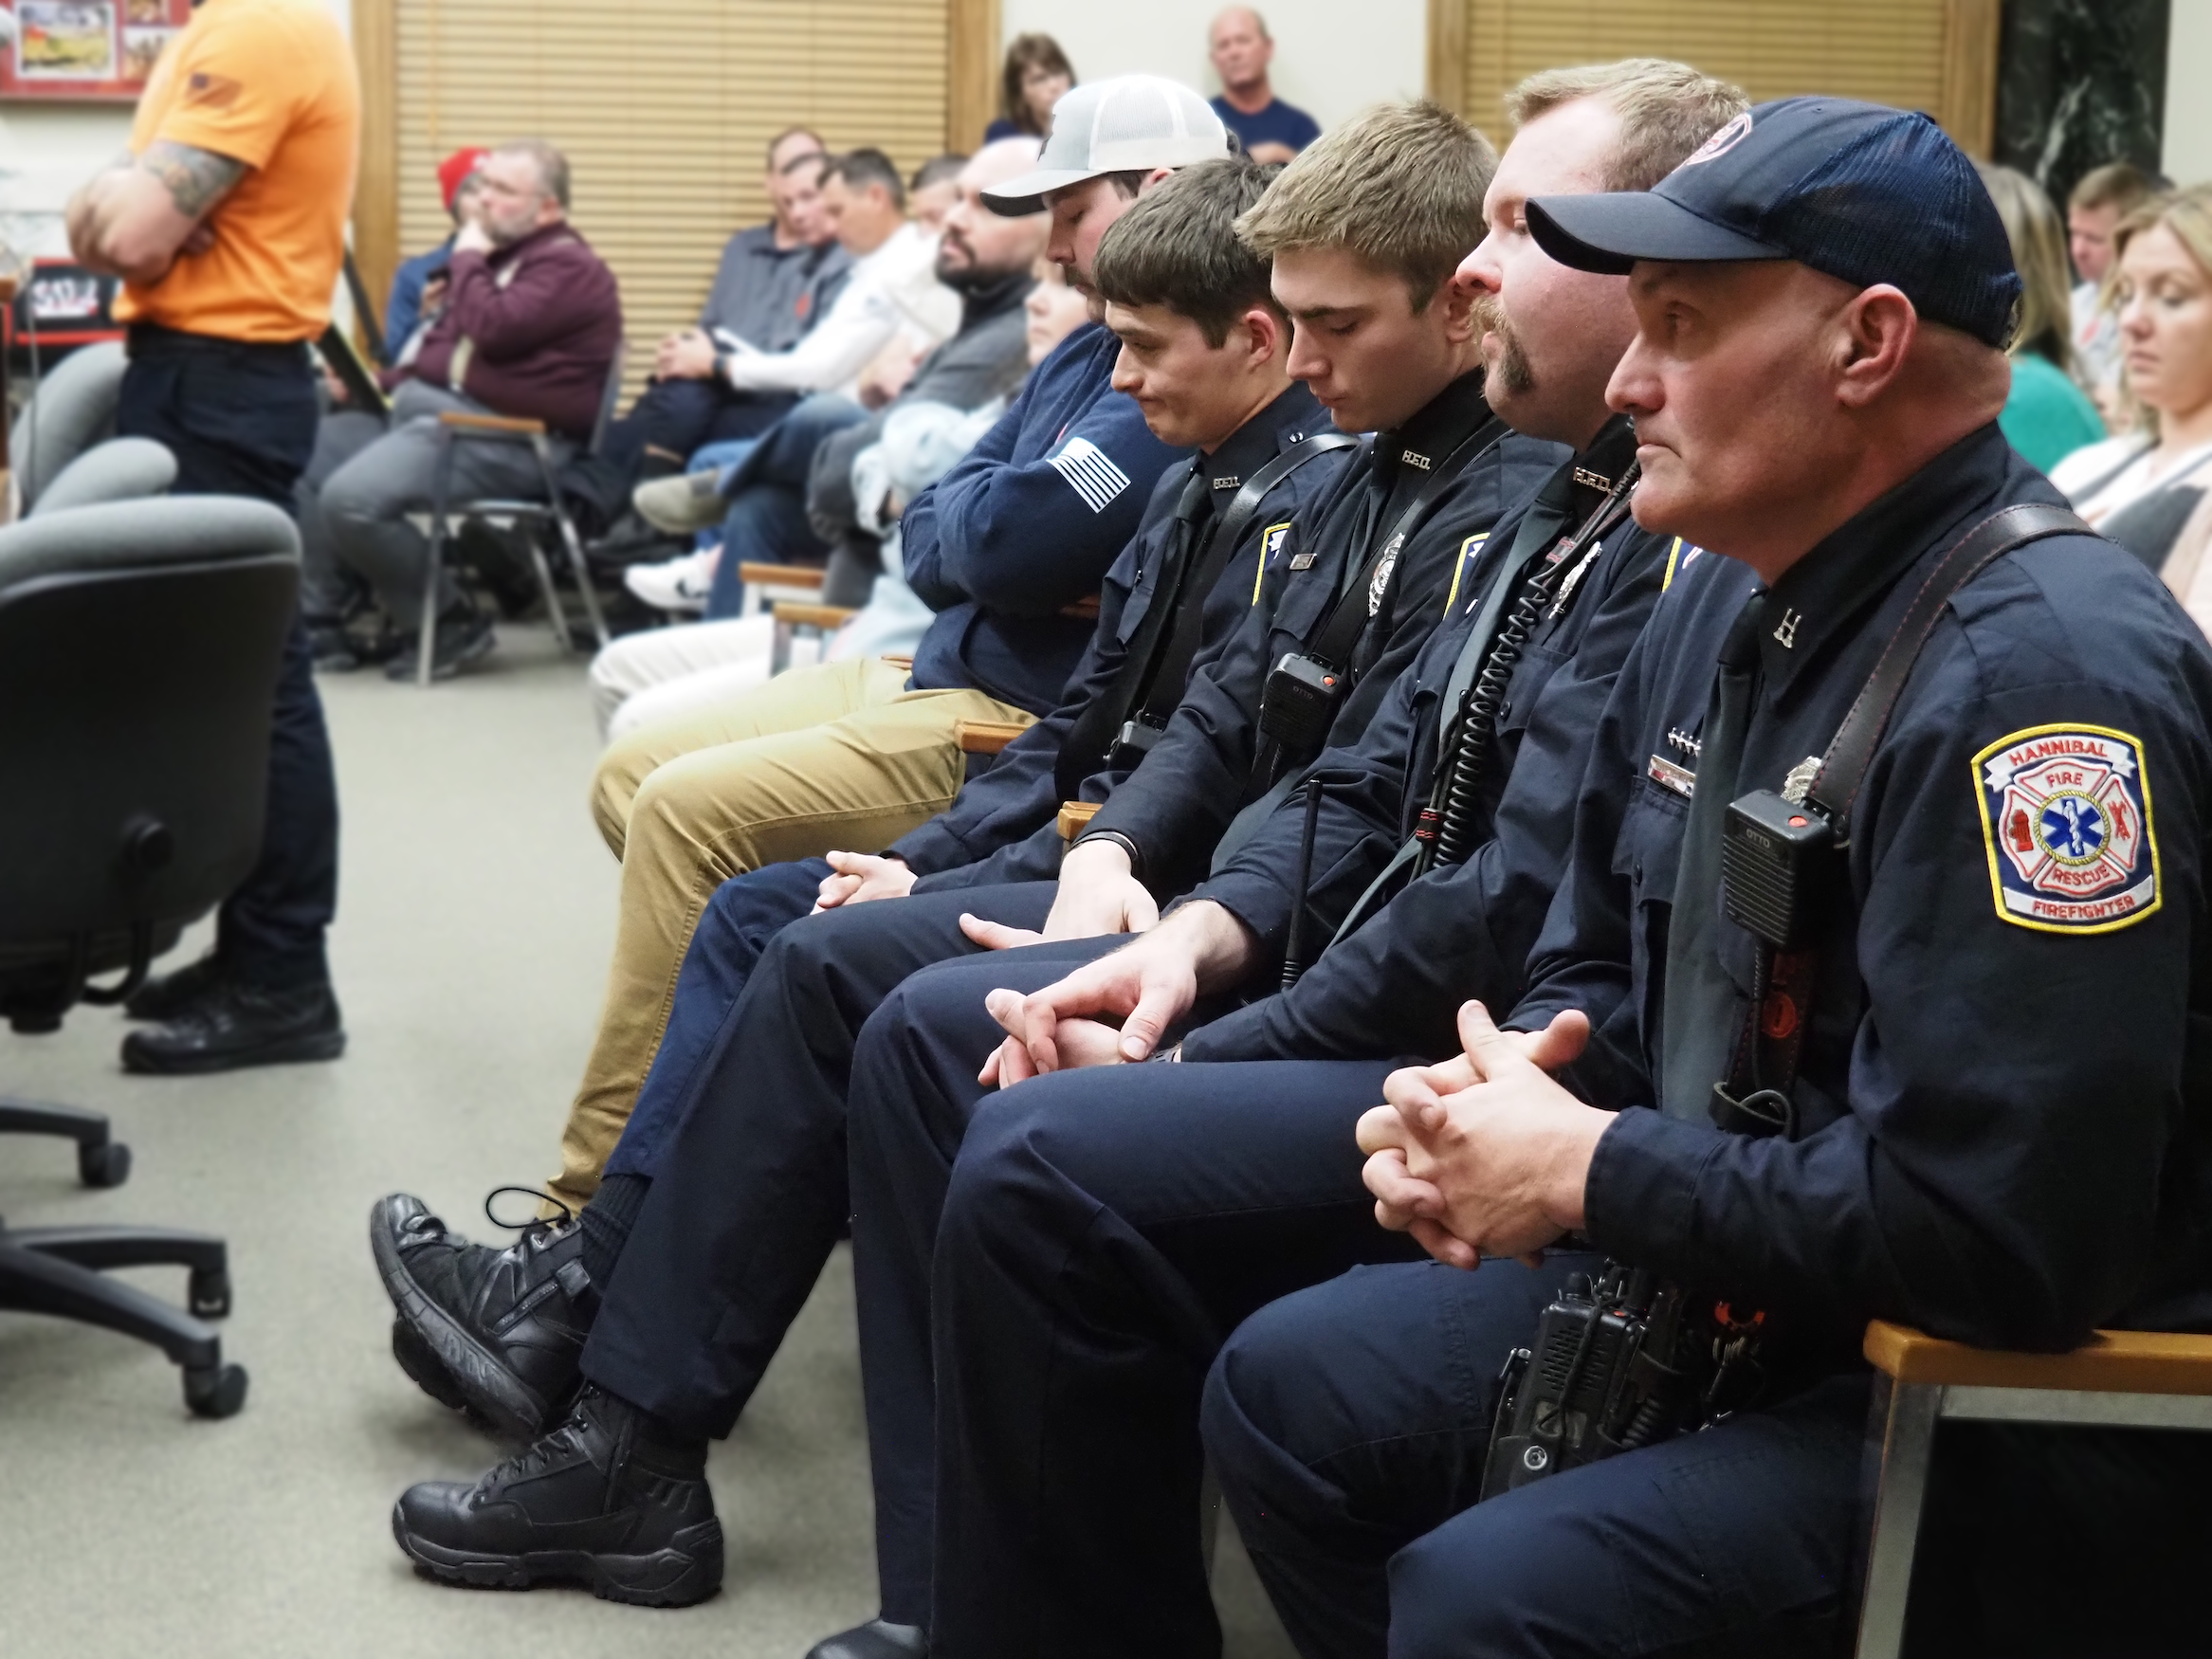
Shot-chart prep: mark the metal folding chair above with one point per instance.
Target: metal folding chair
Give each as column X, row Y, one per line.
column 454, row 428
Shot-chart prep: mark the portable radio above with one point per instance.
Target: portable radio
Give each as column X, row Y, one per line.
column 1779, row 868
column 1301, row 701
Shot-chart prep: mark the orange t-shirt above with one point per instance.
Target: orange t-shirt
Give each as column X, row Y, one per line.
column 271, row 84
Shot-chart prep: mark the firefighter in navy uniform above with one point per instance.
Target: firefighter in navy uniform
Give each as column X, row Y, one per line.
column 1946, row 1066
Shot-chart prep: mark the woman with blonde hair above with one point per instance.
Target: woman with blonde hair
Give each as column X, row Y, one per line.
column 1037, row 76
column 2046, row 417
column 2148, row 490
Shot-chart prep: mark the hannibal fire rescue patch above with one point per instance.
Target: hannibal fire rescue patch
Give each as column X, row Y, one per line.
column 2066, row 819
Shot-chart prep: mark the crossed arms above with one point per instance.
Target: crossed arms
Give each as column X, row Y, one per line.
column 136, row 216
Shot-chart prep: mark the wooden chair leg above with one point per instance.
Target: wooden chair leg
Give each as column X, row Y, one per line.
column 441, row 494
column 1900, row 1443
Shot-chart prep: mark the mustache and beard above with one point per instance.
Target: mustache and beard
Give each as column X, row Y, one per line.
column 1511, row 374
column 959, row 269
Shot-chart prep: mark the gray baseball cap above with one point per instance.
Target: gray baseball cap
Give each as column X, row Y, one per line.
column 1129, row 124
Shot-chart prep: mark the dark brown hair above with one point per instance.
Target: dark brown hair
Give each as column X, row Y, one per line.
column 1177, row 246
column 1027, row 52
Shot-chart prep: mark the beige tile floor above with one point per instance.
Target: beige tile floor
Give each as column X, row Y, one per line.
column 475, row 918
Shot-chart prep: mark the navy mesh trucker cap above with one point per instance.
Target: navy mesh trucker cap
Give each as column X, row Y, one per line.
column 1863, row 193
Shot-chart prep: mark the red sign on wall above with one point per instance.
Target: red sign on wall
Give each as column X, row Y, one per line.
column 100, row 50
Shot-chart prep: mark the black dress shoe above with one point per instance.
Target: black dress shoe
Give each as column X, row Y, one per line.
column 508, row 1326
column 873, row 1640
column 613, row 1498
column 166, row 995
column 241, row 1024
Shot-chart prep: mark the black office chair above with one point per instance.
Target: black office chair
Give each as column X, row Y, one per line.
column 140, row 644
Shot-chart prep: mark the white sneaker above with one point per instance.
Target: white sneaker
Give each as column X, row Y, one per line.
column 678, row 584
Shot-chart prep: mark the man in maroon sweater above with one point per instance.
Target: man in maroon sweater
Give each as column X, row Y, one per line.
column 530, row 325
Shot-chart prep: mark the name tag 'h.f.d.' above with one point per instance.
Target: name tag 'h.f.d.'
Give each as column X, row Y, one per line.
column 2066, row 815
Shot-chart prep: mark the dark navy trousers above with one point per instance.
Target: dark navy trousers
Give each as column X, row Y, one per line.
column 1348, row 1425
column 749, row 1190
column 1045, row 1273
column 744, row 913
column 240, row 420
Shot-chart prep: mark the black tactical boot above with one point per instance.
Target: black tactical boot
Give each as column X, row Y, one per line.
column 613, row 1498
column 873, row 1640
column 166, row 995
column 234, row 1025
column 507, row 1325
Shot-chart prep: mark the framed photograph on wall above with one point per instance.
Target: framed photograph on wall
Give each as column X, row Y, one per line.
column 87, row 50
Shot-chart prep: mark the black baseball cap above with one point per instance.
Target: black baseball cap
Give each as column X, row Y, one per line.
column 1860, row 191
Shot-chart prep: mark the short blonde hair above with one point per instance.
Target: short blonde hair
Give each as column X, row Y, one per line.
column 1400, row 184
column 1665, row 109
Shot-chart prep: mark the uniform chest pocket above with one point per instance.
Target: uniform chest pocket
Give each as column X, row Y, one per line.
column 1530, row 675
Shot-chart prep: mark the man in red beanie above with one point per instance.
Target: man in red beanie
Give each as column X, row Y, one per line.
column 403, row 311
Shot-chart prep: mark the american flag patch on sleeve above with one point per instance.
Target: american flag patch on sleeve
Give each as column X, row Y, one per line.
column 1095, row 478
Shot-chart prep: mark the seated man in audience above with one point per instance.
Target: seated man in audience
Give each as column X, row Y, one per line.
column 774, row 282
column 1914, row 1111
column 1269, row 130
column 933, row 190
column 788, row 1107
column 530, row 327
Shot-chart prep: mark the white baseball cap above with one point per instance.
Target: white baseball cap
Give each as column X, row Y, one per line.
column 1129, row 124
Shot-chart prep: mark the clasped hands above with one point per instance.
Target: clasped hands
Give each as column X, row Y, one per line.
column 1484, row 1155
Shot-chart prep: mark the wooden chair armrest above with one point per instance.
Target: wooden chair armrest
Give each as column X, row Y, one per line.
column 1083, row 610
column 2108, row 1362
column 985, row 737
column 513, row 424
column 1074, row 816
column 790, row 613
column 781, row 576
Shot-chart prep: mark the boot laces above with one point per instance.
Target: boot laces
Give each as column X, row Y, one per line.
column 537, row 1226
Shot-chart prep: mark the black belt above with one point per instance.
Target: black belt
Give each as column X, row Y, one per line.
column 152, row 340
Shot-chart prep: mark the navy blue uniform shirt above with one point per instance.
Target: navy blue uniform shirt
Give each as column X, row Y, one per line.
column 1175, row 806
column 1395, row 985
column 1026, row 524
column 985, row 836
column 1278, row 123
column 2005, row 1097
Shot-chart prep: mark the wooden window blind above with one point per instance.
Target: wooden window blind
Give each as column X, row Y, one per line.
column 665, row 112
column 1932, row 55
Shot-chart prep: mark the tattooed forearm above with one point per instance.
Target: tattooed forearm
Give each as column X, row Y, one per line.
column 196, row 179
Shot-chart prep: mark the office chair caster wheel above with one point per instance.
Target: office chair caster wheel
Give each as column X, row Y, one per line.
column 215, row 1391
column 209, row 1294
column 105, row 1165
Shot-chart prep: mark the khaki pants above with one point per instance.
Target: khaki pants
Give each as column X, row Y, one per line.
column 841, row 755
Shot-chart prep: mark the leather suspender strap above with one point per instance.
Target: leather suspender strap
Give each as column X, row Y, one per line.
column 1164, row 679
column 1756, row 1098
column 1835, row 786
column 1348, row 617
